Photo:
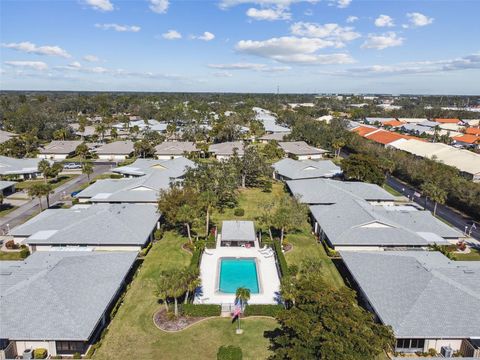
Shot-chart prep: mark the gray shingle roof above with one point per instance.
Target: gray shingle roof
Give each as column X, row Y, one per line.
column 233, row 230
column 278, row 136
column 421, row 294
column 60, row 147
column 116, row 148
column 59, row 295
column 306, row 169
column 357, row 223
column 300, row 148
column 12, row 166
column 173, row 167
column 99, row 224
column 175, row 147
column 325, row 191
column 5, row 136
column 227, row 148
column 141, row 189
column 6, row 184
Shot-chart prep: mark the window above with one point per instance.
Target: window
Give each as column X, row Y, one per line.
column 410, row 343
column 70, row 347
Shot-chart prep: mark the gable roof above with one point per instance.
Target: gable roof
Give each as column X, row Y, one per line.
column 447, row 121
column 421, row 294
column 233, row 230
column 175, row 147
column 300, row 148
column 99, row 224
column 116, row 148
column 306, row 169
column 12, row 166
column 59, row 295
column 364, row 130
column 326, row 191
column 171, row 168
column 467, row 138
column 357, row 223
column 472, row 131
column 278, row 136
column 60, row 147
column 5, row 136
column 227, row 148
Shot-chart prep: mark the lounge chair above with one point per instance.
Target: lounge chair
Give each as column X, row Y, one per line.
column 267, row 250
column 206, row 252
column 265, row 247
column 268, row 255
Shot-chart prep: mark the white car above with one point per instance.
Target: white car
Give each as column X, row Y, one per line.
column 72, row 166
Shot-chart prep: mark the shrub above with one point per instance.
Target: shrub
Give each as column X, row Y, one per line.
column 239, row 212
column 282, row 263
column 195, row 260
column 145, row 250
column 158, row 234
column 40, row 353
column 263, row 310
column 330, row 252
column 24, row 252
column 77, row 356
column 10, row 244
column 201, row 310
column 267, row 186
column 92, row 350
column 115, row 176
column 229, row 353
column 432, row 352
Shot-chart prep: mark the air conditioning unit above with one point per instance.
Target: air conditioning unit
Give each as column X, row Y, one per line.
column 446, row 351
column 27, row 354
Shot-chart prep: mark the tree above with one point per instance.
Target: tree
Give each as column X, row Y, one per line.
column 39, row 190
column 435, row 193
column 113, row 133
column 326, row 323
column 87, row 169
column 337, row 145
column 143, row 149
column 82, row 151
column 363, row 168
column 101, row 129
column 44, row 167
column 192, row 281
column 251, row 167
column 272, row 151
column 187, row 215
column 288, row 214
column 170, row 284
column 242, row 295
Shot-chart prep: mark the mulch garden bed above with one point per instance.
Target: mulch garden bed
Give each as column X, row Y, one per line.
column 166, row 322
column 287, row 248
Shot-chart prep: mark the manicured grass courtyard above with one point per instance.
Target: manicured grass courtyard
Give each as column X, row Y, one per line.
column 10, row 255
column 62, row 179
column 132, row 334
column 473, row 255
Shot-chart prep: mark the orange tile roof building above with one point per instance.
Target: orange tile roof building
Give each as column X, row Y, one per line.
column 448, row 121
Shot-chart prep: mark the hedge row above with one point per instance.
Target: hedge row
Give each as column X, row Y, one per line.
column 201, row 310
column 281, row 258
column 263, row 310
column 195, row 259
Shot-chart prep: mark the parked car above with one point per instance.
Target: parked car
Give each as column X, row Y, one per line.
column 72, row 166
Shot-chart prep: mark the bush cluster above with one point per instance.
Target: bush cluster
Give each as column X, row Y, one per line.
column 263, row 310
column 281, row 258
column 201, row 310
column 40, row 353
column 145, row 250
column 24, row 252
column 229, row 353
column 239, row 212
column 11, row 245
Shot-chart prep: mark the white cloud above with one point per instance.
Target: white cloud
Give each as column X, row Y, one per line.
column 206, row 36
column 91, row 58
column 384, row 21
column 382, row 41
column 223, row 74
column 76, row 66
column 290, row 49
column 416, row 19
column 468, row 62
column 278, row 13
column 172, row 35
column 225, row 4
column 36, row 65
column 335, row 33
column 102, row 5
column 119, row 28
column 352, row 19
column 342, row 3
column 249, row 66
column 159, row 6
column 31, row 48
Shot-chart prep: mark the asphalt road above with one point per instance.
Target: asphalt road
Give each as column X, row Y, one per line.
column 20, row 215
column 461, row 222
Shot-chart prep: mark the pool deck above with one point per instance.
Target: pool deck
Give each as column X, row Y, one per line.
column 269, row 281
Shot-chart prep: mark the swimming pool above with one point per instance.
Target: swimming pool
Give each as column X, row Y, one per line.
column 238, row 272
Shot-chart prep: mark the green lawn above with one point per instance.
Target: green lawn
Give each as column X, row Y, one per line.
column 14, row 255
column 474, row 255
column 391, row 190
column 62, row 179
column 132, row 334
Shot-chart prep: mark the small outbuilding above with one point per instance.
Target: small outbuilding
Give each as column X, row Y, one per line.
column 238, row 233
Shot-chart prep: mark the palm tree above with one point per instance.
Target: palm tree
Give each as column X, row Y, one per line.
column 162, row 290
column 192, row 281
column 435, row 193
column 44, row 168
column 208, row 199
column 242, row 295
column 287, row 290
column 176, row 285
column 38, row 191
column 87, row 169
column 337, row 145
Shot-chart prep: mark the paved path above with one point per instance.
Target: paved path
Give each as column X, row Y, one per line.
column 20, row 215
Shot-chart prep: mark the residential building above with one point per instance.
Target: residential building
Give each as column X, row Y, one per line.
column 174, row 149
column 173, row 168
column 5, row 136
column 279, row 136
column 7, row 187
column 290, row 169
column 327, row 191
column 115, row 151
column 448, row 121
column 355, row 224
column 429, row 300
column 59, row 300
column 467, row 141
column 59, row 149
column 225, row 150
column 300, row 150
column 112, row 227
column 19, row 168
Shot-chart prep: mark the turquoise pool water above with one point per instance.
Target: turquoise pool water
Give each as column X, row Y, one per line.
column 235, row 273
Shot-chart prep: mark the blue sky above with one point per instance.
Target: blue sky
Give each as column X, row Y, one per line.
column 429, row 47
